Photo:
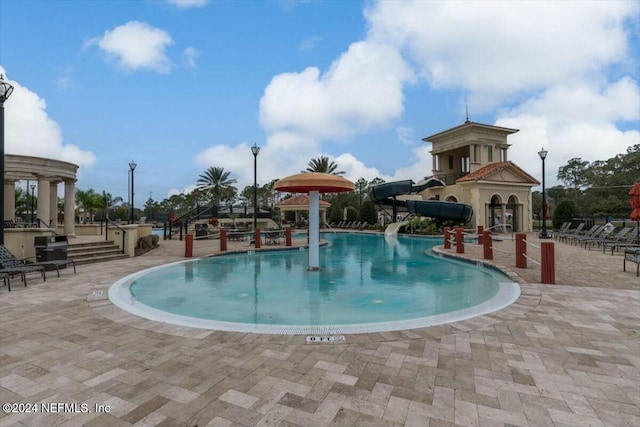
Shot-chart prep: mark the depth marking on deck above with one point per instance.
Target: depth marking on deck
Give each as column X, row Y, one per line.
column 321, row 339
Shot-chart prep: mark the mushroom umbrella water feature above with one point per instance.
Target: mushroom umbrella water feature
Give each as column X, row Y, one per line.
column 635, row 206
column 314, row 183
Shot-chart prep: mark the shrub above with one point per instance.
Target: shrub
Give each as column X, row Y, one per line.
column 565, row 210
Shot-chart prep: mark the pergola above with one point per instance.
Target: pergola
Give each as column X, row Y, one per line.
column 300, row 203
column 48, row 173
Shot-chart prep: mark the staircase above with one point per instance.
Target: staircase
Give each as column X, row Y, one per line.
column 90, row 252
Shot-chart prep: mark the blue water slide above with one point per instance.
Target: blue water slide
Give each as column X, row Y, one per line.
column 386, row 193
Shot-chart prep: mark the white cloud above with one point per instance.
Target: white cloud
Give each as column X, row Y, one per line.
column 284, row 154
column 189, row 56
column 30, row 131
column 405, row 135
column 361, row 91
column 309, row 43
column 573, row 120
column 420, row 167
column 136, row 46
column 495, row 50
column 187, row 4
column 546, row 65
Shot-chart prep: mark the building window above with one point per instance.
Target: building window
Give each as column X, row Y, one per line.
column 476, row 153
column 465, row 164
column 490, row 153
column 451, row 162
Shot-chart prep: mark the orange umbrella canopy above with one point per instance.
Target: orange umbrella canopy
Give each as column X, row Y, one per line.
column 635, row 201
column 314, row 181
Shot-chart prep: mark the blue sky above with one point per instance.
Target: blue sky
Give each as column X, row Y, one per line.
column 181, row 85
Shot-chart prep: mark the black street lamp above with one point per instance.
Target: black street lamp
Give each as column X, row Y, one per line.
column 33, row 193
column 543, row 235
column 255, row 150
column 132, row 167
column 5, row 92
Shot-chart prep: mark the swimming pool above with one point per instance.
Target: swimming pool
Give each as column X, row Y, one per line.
column 367, row 283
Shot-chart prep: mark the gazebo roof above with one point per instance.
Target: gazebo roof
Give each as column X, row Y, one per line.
column 314, row 181
column 300, row 201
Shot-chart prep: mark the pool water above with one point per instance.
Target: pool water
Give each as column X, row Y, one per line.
column 367, row 282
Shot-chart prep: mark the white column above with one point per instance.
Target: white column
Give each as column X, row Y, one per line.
column 503, row 220
column 70, row 207
column 314, row 230
column 44, row 202
column 9, row 200
column 53, row 203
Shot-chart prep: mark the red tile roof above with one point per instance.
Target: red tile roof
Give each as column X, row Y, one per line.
column 493, row 168
column 300, row 200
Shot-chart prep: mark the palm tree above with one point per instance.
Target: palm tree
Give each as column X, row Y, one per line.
column 108, row 201
column 216, row 181
column 324, row 165
column 89, row 201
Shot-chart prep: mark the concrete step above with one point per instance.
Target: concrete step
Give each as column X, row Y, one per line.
column 91, row 252
column 99, row 258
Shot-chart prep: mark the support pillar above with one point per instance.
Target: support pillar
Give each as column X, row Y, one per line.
column 44, row 200
column 447, row 237
column 223, row 239
column 459, row 240
column 9, row 213
column 314, row 230
column 521, row 250
column 503, row 220
column 487, row 244
column 70, row 207
column 53, row 204
column 547, row 264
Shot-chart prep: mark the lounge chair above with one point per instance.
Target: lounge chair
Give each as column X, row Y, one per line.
column 564, row 227
column 362, row 225
column 629, row 241
column 12, row 266
column 619, row 236
column 571, row 232
column 590, row 233
column 632, row 255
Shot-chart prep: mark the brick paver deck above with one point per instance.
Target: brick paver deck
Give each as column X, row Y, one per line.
column 562, row 355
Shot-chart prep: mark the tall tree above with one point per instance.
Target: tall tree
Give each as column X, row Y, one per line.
column 89, row 201
column 324, row 165
column 217, row 182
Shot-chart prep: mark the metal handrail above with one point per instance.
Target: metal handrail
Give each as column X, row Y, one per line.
column 39, row 221
column 124, row 232
column 329, row 227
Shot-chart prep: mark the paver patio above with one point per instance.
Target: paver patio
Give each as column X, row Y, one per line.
column 562, row 355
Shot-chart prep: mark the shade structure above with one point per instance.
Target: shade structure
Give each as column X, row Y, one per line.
column 314, row 183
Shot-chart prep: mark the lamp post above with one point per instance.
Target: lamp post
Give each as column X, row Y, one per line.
column 543, row 235
column 33, row 193
column 5, row 92
column 132, row 167
column 255, row 150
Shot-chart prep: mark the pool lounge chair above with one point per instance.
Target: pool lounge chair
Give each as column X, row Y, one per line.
column 629, row 241
column 617, row 237
column 12, row 266
column 590, row 233
column 571, row 232
column 632, row 255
